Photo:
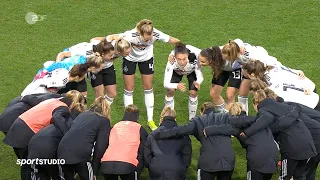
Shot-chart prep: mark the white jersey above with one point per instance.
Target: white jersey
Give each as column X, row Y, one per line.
column 192, row 66
column 86, row 49
column 142, row 51
column 55, row 79
column 286, row 83
column 253, row 53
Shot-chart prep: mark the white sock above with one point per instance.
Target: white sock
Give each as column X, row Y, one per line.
column 193, row 105
column 244, row 101
column 109, row 99
column 169, row 101
column 149, row 101
column 221, row 108
column 127, row 98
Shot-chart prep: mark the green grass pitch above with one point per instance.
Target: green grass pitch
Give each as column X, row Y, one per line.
column 289, row 30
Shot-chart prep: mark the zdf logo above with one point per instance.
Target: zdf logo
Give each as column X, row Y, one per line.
column 32, row 18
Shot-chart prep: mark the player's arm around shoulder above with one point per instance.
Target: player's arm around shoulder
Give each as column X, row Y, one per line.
column 165, row 37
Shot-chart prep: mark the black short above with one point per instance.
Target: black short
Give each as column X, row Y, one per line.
column 176, row 78
column 129, row 67
column 105, row 76
column 234, row 77
column 79, row 86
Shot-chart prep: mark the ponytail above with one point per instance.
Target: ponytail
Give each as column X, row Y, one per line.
column 77, row 100
column 257, row 84
column 258, row 96
column 231, row 50
column 121, row 45
column 144, row 27
column 101, row 107
column 104, row 47
column 94, row 60
column 167, row 111
column 270, row 94
column 255, row 67
column 214, row 56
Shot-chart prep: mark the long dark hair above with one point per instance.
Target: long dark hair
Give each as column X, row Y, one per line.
column 214, row 56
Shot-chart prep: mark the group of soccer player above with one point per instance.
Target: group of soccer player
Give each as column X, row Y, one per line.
column 51, row 119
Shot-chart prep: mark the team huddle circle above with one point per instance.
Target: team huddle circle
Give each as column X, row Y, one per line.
column 56, row 133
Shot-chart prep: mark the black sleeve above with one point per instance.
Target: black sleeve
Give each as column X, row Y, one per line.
column 147, row 153
column 286, row 120
column 187, row 151
column 224, row 129
column 102, row 142
column 32, row 100
column 263, row 121
column 60, row 118
column 275, row 128
column 242, row 141
column 14, row 101
column 241, row 121
column 178, row 131
column 143, row 140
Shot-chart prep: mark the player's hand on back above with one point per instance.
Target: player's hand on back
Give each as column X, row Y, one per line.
column 301, row 74
column 171, row 58
column 204, row 132
column 182, row 87
column 307, row 91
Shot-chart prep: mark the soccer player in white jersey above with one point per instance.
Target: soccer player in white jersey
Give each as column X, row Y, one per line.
column 55, row 80
column 106, row 78
column 223, row 72
column 239, row 53
column 186, row 63
column 287, row 83
column 141, row 38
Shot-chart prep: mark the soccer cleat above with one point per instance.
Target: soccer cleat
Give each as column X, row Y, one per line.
column 152, row 125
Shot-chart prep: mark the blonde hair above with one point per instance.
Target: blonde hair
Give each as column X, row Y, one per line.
column 121, row 45
column 236, row 109
column 77, row 100
column 94, row 60
column 270, row 94
column 206, row 105
column 144, row 27
column 258, row 96
column 257, row 84
column 132, row 108
column 231, row 50
column 167, row 111
column 257, row 68
column 101, row 107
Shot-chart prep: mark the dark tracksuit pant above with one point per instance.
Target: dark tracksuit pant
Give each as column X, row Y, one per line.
column 84, row 171
column 292, row 168
column 220, row 175
column 311, row 168
column 47, row 172
column 25, row 170
column 256, row 175
column 131, row 176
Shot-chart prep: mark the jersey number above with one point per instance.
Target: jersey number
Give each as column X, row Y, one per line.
column 286, row 87
column 151, row 66
column 236, row 74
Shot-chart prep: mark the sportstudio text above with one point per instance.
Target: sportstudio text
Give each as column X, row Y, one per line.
column 38, row 161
